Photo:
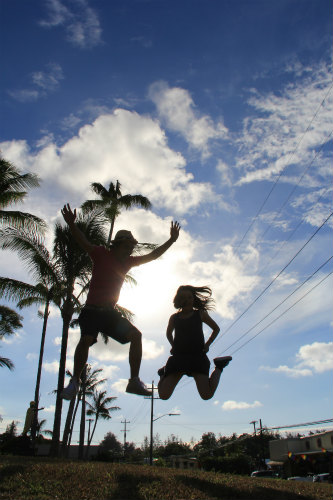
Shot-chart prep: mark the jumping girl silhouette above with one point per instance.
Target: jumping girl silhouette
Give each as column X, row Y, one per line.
column 188, row 345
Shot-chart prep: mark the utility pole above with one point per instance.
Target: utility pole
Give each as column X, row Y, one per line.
column 125, row 422
column 151, row 421
column 254, row 426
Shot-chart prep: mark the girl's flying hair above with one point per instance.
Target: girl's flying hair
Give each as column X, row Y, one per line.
column 201, row 295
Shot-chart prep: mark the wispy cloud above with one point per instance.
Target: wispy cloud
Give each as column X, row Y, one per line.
column 80, row 21
column 43, row 82
column 287, row 127
column 176, row 108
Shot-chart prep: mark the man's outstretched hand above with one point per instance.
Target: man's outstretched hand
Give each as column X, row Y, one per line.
column 174, row 230
column 68, row 215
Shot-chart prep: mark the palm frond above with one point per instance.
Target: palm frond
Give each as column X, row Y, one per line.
column 7, row 362
column 10, row 321
column 130, row 200
column 22, row 221
column 16, row 290
column 32, row 251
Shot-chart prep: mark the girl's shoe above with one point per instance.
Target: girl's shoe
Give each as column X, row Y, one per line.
column 221, row 363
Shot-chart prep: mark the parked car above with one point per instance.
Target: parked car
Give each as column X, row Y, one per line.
column 322, row 478
column 300, row 478
column 265, row 473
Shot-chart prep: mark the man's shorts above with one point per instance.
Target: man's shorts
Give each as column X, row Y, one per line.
column 95, row 319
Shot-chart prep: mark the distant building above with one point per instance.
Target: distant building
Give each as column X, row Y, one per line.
column 308, row 454
column 182, row 462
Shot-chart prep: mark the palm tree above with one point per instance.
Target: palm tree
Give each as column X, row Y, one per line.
column 68, row 268
column 9, row 322
column 48, row 288
column 92, row 382
column 111, row 201
column 75, row 266
column 100, row 409
column 13, row 186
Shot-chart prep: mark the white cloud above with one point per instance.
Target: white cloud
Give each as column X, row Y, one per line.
column 225, row 173
column 31, row 356
column 108, row 370
column 150, row 349
column 120, row 385
column 50, row 409
column 42, row 83
column 121, row 145
column 311, row 358
column 290, row 372
column 79, row 20
column 239, row 405
column 112, row 351
column 317, row 356
column 51, row 366
column 176, row 107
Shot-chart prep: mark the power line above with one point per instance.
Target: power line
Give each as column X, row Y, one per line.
column 323, row 193
column 298, row 183
column 282, row 302
column 275, row 278
column 306, row 424
column 284, row 312
column 280, row 174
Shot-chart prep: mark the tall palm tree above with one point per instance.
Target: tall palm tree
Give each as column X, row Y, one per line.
column 9, row 322
column 49, row 287
column 75, row 268
column 100, row 409
column 13, row 186
column 112, row 200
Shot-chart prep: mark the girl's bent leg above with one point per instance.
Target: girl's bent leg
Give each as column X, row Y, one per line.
column 207, row 385
column 167, row 385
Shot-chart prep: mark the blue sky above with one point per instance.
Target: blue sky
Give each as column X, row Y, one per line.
column 220, row 112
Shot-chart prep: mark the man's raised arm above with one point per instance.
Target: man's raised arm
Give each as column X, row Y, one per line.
column 155, row 254
column 69, row 217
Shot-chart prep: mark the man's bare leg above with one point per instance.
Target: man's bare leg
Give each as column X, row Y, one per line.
column 135, row 385
column 80, row 359
column 81, row 355
column 135, row 352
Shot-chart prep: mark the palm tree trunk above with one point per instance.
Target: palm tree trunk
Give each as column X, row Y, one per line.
column 67, row 313
column 83, row 414
column 39, row 372
column 111, row 230
column 93, row 431
column 65, row 445
column 73, row 419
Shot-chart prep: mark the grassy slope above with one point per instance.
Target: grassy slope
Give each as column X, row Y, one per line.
column 45, row 479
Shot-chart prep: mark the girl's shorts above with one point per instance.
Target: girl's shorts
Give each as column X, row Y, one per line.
column 188, row 364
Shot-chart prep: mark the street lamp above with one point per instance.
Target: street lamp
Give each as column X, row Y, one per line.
column 152, row 420
column 151, row 433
